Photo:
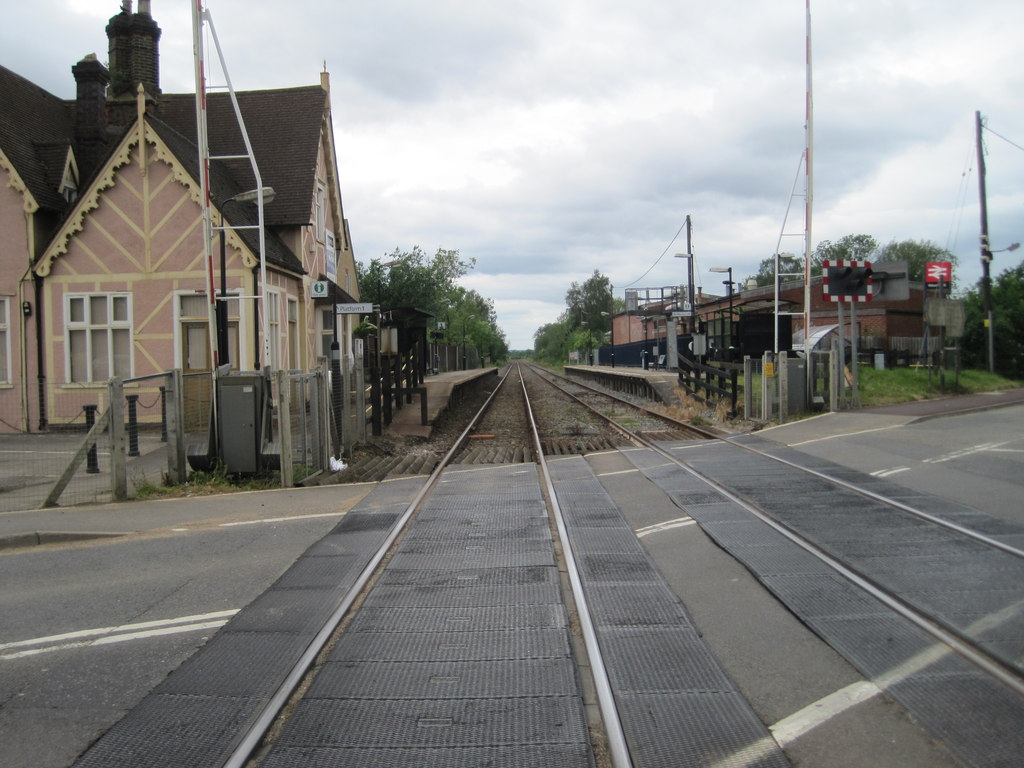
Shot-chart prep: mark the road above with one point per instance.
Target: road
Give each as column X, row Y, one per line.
column 87, row 629
column 975, row 458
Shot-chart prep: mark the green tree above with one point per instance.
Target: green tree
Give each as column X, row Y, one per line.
column 1007, row 325
column 551, row 341
column 591, row 304
column 788, row 264
column 404, row 279
column 848, row 248
column 917, row 253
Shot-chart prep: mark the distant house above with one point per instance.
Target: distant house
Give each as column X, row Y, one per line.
column 103, row 266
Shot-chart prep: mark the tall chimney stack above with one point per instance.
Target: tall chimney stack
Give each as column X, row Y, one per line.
column 134, row 55
column 91, row 79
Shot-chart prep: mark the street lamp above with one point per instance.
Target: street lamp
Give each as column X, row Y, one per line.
column 728, row 283
column 986, row 286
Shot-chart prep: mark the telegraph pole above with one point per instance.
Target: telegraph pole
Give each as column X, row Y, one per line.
column 986, row 254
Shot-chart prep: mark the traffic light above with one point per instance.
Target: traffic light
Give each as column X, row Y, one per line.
column 847, row 280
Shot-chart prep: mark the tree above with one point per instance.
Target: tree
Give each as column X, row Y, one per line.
column 788, row 264
column 847, row 248
column 412, row 279
column 917, row 253
column 550, row 342
column 591, row 304
column 1007, row 325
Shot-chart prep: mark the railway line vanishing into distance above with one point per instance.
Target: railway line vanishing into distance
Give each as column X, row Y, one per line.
column 533, row 417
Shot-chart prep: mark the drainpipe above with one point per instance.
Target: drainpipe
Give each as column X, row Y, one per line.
column 40, row 357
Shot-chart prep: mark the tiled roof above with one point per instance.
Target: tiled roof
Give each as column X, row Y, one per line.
column 35, row 133
column 222, row 187
column 284, row 127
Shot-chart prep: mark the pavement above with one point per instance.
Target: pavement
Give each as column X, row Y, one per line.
column 34, row 527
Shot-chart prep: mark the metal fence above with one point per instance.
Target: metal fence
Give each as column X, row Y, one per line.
column 115, row 439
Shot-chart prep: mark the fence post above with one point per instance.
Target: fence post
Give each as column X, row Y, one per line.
column 284, row 427
column 782, row 371
column 748, row 390
column 175, row 421
column 339, row 392
column 324, row 414
column 92, row 464
column 118, row 460
column 133, row 424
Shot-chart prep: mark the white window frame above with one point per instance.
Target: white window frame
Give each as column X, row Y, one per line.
column 89, row 327
column 294, row 338
column 239, row 357
column 273, row 310
column 321, row 212
column 5, row 340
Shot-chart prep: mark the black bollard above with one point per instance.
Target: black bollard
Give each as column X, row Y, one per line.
column 133, row 425
column 92, row 463
column 163, row 414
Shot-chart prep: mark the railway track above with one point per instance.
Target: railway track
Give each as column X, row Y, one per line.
column 532, row 415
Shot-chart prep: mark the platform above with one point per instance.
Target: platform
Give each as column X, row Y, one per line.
column 654, row 384
column 440, row 390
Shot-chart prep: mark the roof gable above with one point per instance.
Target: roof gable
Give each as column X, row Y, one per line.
column 36, row 130
column 284, row 127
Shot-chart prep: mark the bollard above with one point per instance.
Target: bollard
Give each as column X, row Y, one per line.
column 163, row 414
column 92, row 464
column 133, row 425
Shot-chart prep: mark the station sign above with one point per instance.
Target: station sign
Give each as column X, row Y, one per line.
column 938, row 272
column 365, row 308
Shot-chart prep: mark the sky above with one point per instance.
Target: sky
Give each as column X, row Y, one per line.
column 547, row 139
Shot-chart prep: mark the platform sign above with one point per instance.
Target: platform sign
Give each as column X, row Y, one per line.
column 938, row 272
column 364, row 308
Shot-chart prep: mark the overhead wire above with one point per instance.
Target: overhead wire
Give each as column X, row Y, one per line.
column 658, row 260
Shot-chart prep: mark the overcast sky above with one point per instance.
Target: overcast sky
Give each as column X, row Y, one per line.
column 551, row 138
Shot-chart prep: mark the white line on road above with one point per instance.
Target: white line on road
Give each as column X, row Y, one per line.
column 845, row 434
column 967, row 452
column 118, row 634
column 280, row 519
column 888, row 472
column 668, row 525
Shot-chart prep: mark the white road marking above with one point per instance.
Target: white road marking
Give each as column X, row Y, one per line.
column 666, row 526
column 791, row 728
column 959, row 454
column 280, row 519
column 888, row 472
column 845, row 434
column 119, row 634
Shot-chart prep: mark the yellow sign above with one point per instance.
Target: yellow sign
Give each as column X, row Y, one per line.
column 769, row 370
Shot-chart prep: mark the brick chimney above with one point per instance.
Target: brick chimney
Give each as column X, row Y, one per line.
column 91, row 79
column 134, row 55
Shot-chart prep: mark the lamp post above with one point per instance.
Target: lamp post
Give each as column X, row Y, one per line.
column 729, row 284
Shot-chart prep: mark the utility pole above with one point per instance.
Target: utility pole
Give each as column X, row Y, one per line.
column 986, row 254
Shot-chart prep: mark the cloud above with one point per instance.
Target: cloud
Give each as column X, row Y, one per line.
column 548, row 140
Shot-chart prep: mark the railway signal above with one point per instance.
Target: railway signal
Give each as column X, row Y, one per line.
column 847, row 280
